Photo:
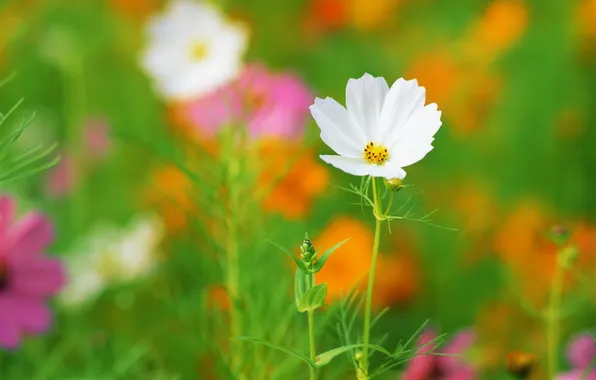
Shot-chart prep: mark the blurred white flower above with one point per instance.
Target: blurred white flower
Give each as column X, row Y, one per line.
column 382, row 130
column 193, row 50
column 111, row 256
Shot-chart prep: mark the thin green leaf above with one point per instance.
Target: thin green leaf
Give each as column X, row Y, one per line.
column 326, row 357
column 321, row 261
column 293, row 353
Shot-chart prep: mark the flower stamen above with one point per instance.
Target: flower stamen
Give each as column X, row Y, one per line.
column 376, row 153
column 198, row 51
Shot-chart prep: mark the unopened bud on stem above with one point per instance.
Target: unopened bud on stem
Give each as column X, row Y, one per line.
column 307, row 250
column 394, row 184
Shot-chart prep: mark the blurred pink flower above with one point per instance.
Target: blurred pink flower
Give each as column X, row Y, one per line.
column 63, row 177
column 424, row 367
column 273, row 105
column 97, row 138
column 27, row 275
column 580, row 353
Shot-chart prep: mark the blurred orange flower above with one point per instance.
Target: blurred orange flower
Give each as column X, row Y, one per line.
column 135, row 9
column 170, row 193
column 501, row 26
column 503, row 328
column 524, row 245
column 367, row 14
column 439, row 72
column 323, row 15
column 303, row 179
column 218, row 298
column 464, row 91
column 326, row 15
column 587, row 18
column 397, row 276
column 289, row 181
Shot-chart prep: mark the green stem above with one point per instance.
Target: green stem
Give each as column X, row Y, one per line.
column 74, row 103
column 311, row 336
column 233, row 273
column 363, row 373
column 552, row 327
column 311, row 331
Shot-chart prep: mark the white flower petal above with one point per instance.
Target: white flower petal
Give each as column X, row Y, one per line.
column 364, row 99
column 359, row 167
column 408, row 152
column 422, row 125
column 334, row 123
column 402, row 100
column 173, row 37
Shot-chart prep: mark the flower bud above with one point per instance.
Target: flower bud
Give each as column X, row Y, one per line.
column 559, row 234
column 394, row 184
column 520, row 364
column 307, row 250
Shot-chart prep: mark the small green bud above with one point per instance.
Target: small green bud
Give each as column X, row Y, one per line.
column 520, row 364
column 559, row 234
column 307, row 250
column 394, row 184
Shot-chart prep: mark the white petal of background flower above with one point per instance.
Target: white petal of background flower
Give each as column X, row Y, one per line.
column 176, row 36
column 394, row 119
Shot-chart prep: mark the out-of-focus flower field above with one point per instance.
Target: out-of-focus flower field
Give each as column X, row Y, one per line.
column 169, row 147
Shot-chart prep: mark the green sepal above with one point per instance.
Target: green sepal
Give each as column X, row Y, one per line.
column 314, row 298
column 318, row 265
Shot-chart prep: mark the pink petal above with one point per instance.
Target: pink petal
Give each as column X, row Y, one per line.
column 576, row 374
column 30, row 236
column 7, row 211
column 424, row 342
column 31, row 315
column 61, row 178
column 38, row 276
column 10, row 335
column 464, row 373
column 419, row 368
column 97, row 136
column 581, row 350
column 458, row 346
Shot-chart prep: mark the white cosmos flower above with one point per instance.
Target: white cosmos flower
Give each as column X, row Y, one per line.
column 382, row 130
column 110, row 255
column 193, row 50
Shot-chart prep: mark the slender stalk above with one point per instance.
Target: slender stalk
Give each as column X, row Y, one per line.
column 74, row 104
column 363, row 373
column 311, row 336
column 232, row 263
column 552, row 322
column 311, row 333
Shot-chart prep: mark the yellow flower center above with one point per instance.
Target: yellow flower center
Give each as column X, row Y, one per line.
column 375, row 153
column 198, row 51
